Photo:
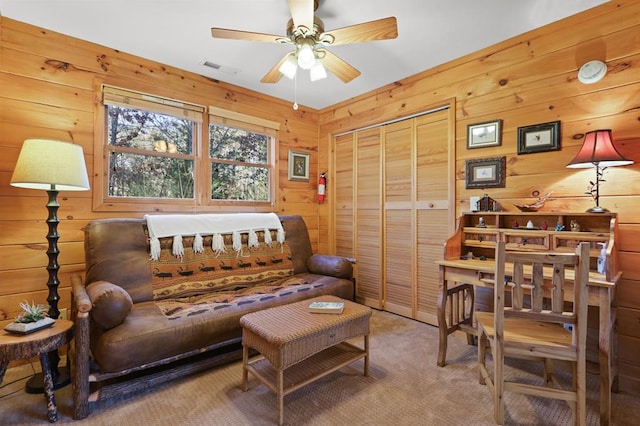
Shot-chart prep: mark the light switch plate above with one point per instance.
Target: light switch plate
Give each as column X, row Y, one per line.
column 473, row 203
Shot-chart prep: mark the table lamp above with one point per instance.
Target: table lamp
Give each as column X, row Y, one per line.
column 599, row 151
column 52, row 166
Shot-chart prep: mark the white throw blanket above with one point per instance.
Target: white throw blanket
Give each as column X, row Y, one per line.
column 179, row 225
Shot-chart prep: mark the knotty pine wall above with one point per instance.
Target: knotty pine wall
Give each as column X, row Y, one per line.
column 526, row 80
column 47, row 83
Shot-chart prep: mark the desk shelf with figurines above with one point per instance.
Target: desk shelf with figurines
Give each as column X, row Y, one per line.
column 477, row 233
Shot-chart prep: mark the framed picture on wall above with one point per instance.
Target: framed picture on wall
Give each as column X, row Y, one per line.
column 486, row 172
column 485, row 134
column 539, row 138
column 299, row 166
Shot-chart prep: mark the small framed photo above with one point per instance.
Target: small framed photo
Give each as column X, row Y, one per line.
column 486, row 172
column 299, row 166
column 539, row 138
column 485, row 134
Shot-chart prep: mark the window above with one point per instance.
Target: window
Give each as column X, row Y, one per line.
column 153, row 155
column 241, row 157
column 240, row 168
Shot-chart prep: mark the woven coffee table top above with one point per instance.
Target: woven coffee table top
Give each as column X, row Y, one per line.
column 287, row 334
column 285, row 323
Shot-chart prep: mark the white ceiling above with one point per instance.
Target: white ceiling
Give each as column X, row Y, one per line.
column 177, row 33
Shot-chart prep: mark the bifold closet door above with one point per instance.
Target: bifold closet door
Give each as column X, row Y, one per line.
column 434, row 215
column 358, row 212
column 344, row 189
column 368, row 236
column 393, row 211
column 399, row 221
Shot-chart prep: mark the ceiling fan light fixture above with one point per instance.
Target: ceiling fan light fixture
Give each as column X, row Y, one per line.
column 306, row 32
column 306, row 56
column 317, row 72
column 289, row 67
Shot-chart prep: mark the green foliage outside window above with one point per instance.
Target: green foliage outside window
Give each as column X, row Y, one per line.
column 150, row 177
column 147, row 166
column 239, row 169
column 154, row 155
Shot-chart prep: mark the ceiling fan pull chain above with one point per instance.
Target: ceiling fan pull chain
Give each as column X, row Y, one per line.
column 295, row 92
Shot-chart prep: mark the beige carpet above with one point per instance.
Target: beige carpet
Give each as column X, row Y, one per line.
column 404, row 388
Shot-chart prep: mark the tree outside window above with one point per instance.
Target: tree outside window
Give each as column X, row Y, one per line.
column 154, row 155
column 150, row 154
column 239, row 164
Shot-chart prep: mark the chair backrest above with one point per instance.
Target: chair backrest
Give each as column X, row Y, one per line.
column 526, row 282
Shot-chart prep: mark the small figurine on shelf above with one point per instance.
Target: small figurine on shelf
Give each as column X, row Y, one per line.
column 575, row 226
column 481, row 223
column 530, row 225
column 559, row 226
column 468, row 256
column 515, row 224
column 544, row 225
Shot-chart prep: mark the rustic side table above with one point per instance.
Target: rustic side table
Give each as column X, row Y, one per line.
column 39, row 343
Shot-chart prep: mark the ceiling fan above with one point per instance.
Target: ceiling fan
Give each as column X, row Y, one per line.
column 306, row 32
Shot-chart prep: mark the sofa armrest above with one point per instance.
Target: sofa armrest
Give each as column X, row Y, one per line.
column 81, row 305
column 110, row 304
column 334, row 266
column 80, row 296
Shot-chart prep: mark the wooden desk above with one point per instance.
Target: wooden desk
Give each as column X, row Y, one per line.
column 458, row 279
column 38, row 343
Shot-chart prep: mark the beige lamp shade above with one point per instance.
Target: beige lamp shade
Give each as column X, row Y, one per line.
column 50, row 164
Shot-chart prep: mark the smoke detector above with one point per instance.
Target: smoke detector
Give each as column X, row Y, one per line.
column 592, row 72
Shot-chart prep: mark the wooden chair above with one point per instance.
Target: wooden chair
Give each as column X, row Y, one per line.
column 536, row 331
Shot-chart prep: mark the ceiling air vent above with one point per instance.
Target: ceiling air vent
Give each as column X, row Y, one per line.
column 212, row 65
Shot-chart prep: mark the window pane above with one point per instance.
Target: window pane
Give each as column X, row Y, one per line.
column 133, row 175
column 235, row 182
column 139, row 129
column 227, row 143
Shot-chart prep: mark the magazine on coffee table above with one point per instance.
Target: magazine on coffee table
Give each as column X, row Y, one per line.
column 326, row 307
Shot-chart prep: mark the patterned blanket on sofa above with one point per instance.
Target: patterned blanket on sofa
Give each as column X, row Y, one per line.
column 193, row 274
column 194, row 305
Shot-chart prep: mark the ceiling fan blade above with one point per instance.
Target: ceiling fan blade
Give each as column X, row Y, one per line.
column 302, row 13
column 245, row 35
column 382, row 29
column 274, row 75
column 340, row 68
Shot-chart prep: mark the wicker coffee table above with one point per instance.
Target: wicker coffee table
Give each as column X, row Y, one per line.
column 297, row 347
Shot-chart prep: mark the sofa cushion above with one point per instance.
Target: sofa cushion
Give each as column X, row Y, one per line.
column 110, row 304
column 242, row 295
column 148, row 336
column 116, row 251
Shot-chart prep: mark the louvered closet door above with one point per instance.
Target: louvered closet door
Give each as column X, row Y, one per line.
column 399, row 223
column 343, row 184
column 434, row 217
column 368, row 236
column 393, row 210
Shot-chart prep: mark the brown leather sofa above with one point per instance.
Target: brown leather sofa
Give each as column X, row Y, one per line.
column 125, row 343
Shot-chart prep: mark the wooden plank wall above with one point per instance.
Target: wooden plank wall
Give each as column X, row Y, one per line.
column 527, row 80
column 47, row 85
column 48, row 82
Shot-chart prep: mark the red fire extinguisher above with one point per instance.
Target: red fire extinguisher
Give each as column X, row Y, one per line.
column 322, row 182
